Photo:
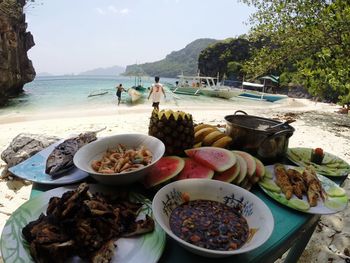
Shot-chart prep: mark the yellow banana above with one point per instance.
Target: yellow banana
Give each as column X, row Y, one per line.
column 197, row 145
column 222, row 142
column 212, row 137
column 202, row 133
column 202, row 126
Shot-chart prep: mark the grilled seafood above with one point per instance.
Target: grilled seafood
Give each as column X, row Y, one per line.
column 61, row 158
column 297, row 182
column 282, row 181
column 84, row 224
column 314, row 187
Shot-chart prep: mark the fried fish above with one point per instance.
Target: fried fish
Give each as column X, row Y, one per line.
column 61, row 158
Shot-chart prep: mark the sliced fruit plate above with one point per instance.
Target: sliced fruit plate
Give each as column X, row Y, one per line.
column 236, row 167
column 335, row 198
column 331, row 165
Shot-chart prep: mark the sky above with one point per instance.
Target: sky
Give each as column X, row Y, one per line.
column 75, row 36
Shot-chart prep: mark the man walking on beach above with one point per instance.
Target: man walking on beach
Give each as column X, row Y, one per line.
column 119, row 92
column 156, row 91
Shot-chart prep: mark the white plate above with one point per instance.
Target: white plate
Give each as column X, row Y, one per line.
column 145, row 248
column 341, row 202
column 33, row 169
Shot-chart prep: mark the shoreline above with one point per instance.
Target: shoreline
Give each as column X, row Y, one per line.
column 316, row 125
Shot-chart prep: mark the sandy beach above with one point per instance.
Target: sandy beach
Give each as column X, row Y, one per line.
column 316, row 125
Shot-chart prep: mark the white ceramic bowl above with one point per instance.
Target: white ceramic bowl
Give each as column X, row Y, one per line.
column 94, row 151
column 257, row 214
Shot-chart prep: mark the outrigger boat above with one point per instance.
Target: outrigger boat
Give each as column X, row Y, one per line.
column 261, row 95
column 208, row 86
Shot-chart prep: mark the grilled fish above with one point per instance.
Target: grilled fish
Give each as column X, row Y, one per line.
column 61, row 158
column 283, row 182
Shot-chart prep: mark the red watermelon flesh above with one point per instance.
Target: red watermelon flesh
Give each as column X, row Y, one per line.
column 215, row 158
column 194, row 169
column 165, row 169
column 229, row 175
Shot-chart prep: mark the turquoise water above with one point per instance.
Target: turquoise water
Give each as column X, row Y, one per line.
column 65, row 92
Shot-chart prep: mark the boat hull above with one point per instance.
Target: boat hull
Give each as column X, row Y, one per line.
column 220, row 93
column 264, row 96
column 134, row 94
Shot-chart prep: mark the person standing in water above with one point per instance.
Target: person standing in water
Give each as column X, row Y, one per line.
column 155, row 92
column 119, row 88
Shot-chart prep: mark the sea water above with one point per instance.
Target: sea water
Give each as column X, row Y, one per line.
column 71, row 92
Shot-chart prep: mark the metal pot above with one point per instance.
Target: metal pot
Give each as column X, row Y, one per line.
column 264, row 138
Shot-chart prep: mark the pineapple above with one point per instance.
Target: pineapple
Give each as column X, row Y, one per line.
column 174, row 129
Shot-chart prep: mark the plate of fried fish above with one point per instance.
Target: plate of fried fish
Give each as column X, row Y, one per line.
column 303, row 189
column 329, row 164
column 54, row 164
column 85, row 223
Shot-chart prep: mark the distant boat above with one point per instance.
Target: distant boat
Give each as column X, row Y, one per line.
column 99, row 92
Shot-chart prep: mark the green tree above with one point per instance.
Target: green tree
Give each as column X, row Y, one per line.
column 307, row 41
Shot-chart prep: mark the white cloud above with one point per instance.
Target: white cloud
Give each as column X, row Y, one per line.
column 124, row 11
column 112, row 9
column 100, row 11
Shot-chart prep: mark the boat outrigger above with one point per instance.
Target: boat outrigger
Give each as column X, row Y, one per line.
column 99, row 92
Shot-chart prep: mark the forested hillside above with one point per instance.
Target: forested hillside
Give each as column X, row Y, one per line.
column 184, row 60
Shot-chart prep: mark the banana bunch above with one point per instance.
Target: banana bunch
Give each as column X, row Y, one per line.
column 209, row 135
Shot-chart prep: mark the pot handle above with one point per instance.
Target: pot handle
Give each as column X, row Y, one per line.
column 240, row 111
column 279, row 133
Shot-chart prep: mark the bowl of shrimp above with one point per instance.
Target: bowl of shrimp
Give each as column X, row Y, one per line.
column 119, row 159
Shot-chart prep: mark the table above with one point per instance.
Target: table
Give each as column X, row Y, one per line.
column 292, row 230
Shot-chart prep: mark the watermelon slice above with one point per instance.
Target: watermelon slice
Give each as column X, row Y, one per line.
column 229, row 175
column 251, row 164
column 165, row 169
column 215, row 158
column 242, row 171
column 260, row 169
column 194, row 169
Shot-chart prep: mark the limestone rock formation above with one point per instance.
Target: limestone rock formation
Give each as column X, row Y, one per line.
column 23, row 146
column 15, row 67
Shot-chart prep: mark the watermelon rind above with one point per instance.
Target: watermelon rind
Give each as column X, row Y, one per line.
column 229, row 175
column 251, row 164
column 164, row 170
column 260, row 168
column 243, row 170
column 215, row 158
column 193, row 169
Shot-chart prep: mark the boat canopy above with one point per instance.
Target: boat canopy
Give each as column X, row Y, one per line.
column 272, row 78
column 244, row 83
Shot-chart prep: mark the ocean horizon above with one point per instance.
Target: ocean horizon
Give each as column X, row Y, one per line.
column 57, row 93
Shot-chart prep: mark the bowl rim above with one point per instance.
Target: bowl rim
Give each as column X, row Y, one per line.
column 100, row 139
column 261, row 204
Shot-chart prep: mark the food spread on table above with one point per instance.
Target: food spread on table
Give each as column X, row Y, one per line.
column 121, row 160
column 84, row 224
column 61, row 158
column 209, row 224
column 324, row 163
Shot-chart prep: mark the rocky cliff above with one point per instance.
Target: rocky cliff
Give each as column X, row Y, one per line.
column 15, row 67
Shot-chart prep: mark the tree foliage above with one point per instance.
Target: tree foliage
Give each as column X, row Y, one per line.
column 308, row 42
column 225, row 57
